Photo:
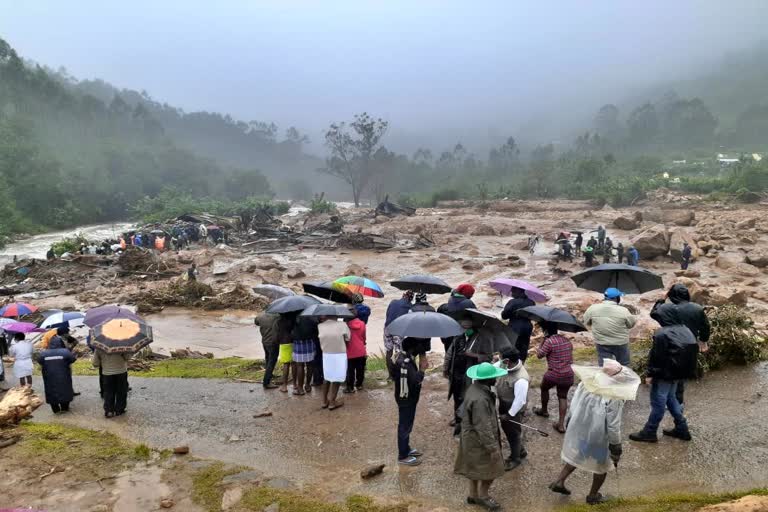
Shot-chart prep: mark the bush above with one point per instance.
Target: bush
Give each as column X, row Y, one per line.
column 69, row 244
column 320, row 205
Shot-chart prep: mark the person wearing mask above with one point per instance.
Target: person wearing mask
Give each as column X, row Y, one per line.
column 21, row 352
column 407, row 377
column 592, row 242
column 285, row 352
column 268, row 325
column 520, row 325
column 479, row 456
column 559, row 375
column 691, row 315
column 686, row 255
column 589, row 256
column 620, row 252
column 578, row 243
column 457, row 359
column 633, row 257
column 396, row 309
column 461, row 299
column 114, row 368
column 305, row 339
column 333, row 336
column 593, row 438
column 356, row 349
column 610, row 323
column 56, row 365
column 673, row 358
column 512, row 390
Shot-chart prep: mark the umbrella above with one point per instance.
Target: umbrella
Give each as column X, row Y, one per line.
column 357, row 284
column 325, row 290
column 157, row 232
column 101, row 314
column 272, row 291
column 72, row 318
column 627, row 278
column 17, row 309
column 504, row 286
column 292, row 304
column 561, row 318
column 121, row 335
column 421, row 283
column 494, row 334
column 4, row 321
column 424, row 325
column 332, row 310
column 25, row 327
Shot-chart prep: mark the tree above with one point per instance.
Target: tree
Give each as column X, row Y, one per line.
column 352, row 150
column 541, row 170
column 607, row 122
column 752, row 125
column 643, row 125
column 689, row 123
column 505, row 158
column 422, row 157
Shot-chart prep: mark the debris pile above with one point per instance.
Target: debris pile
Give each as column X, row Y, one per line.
column 176, row 293
column 144, row 261
column 237, row 297
column 17, row 404
column 187, row 353
column 393, row 209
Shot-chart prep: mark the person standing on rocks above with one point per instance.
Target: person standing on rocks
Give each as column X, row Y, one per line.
column 479, row 457
column 578, row 243
column 520, row 325
column 56, row 364
column 268, row 325
column 610, row 323
column 686, row 255
column 589, row 256
column 608, row 250
column 620, row 252
column 407, row 378
column 600, row 238
column 673, row 358
column 512, row 390
column 334, row 337
column 396, row 309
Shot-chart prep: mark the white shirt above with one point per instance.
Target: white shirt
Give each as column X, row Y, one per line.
column 521, row 394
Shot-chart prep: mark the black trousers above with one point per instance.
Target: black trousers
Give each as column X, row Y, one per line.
column 115, row 392
column 59, row 407
column 356, row 372
column 406, row 417
column 512, row 431
column 457, row 389
column 270, row 359
column 317, row 366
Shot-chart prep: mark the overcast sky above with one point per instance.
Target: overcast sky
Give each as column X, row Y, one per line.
column 437, row 70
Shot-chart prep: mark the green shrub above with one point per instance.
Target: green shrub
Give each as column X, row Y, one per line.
column 69, row 244
column 320, row 205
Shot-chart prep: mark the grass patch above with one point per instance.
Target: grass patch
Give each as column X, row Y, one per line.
column 261, row 497
column 206, row 486
column 142, row 451
column 665, row 502
column 225, row 368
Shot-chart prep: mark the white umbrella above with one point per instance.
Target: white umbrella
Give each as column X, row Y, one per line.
column 73, row 318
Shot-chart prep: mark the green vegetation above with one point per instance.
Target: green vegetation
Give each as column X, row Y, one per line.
column 206, row 486
column 320, row 205
column 686, row 502
column 226, row 368
column 69, row 244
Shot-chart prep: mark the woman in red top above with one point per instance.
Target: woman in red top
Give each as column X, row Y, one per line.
column 356, row 353
column 559, row 353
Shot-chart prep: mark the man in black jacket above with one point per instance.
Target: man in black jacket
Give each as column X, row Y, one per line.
column 672, row 360
column 520, row 325
column 407, row 378
column 691, row 315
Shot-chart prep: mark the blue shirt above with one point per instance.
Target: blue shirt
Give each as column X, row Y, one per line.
column 396, row 309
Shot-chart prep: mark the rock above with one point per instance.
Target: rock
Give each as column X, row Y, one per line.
column 356, row 270
column 745, row 504
column 472, row 266
column 688, row 273
column 676, row 240
column 244, row 477
column 746, row 270
column 262, row 414
column 459, row 228
column 270, row 265
column 678, row 217
column 273, row 276
column 167, row 503
column 726, row 260
column 722, row 296
column 275, row 507
column 652, row 242
column 70, row 291
column 483, row 230
column 372, row 471
column 181, row 450
column 758, row 258
column 231, row 497
column 746, row 240
column 746, row 223
column 18, row 403
column 296, row 274
column 520, row 245
column 626, row 223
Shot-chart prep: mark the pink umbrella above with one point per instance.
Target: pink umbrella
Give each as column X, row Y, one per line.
column 25, row 327
column 504, row 286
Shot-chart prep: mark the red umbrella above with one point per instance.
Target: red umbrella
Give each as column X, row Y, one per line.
column 17, row 309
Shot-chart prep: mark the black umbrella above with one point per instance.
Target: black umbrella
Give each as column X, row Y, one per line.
column 494, row 334
column 422, row 283
column 561, row 318
column 627, row 278
column 272, row 291
column 292, row 304
column 424, row 325
column 325, row 290
column 330, row 310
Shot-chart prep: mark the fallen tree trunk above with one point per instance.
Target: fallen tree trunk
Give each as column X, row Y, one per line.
column 17, row 404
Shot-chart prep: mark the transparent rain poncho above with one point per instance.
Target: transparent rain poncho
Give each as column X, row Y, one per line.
column 594, row 418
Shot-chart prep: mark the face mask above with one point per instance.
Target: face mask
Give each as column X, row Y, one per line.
column 469, row 332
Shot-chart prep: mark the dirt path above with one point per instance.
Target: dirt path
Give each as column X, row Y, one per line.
column 303, row 443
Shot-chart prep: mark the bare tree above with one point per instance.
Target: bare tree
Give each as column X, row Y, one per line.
column 352, row 151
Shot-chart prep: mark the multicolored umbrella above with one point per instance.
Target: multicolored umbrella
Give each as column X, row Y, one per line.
column 73, row 318
column 101, row 314
column 121, row 335
column 17, row 309
column 504, row 286
column 357, row 284
column 325, row 290
column 25, row 327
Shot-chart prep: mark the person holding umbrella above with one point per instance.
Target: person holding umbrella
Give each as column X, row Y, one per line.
column 285, row 348
column 407, row 378
column 461, row 299
column 610, row 323
column 479, row 457
column 519, row 324
column 593, row 438
column 559, row 375
column 396, row 309
column 512, row 390
column 268, row 324
column 56, row 364
column 305, row 339
column 356, row 348
column 114, row 369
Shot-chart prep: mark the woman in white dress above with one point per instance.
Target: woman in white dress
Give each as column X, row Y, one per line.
column 21, row 351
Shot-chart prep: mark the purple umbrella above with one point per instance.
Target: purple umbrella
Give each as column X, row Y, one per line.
column 25, row 327
column 504, row 286
column 101, row 314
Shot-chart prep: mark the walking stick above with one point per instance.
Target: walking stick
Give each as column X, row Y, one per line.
column 540, row 432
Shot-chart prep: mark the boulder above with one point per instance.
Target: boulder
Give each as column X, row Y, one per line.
column 747, row 240
column 519, row 245
column 483, row 230
column 746, row 223
column 652, row 242
column 758, row 258
column 722, row 296
column 626, row 223
column 688, row 273
column 676, row 240
column 678, row 217
column 728, row 260
column 746, row 270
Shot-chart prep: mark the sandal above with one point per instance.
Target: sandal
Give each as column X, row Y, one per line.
column 558, row 428
column 539, row 412
column 299, row 392
column 308, row 388
column 488, row 503
column 336, row 406
column 324, row 406
column 560, row 489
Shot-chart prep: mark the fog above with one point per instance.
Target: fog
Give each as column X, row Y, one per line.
column 439, row 71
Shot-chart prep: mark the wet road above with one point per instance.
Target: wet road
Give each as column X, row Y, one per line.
column 301, row 442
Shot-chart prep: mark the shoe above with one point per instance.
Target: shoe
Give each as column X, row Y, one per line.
column 560, row 489
column 348, row 391
column 109, row 415
column 271, row 386
column 359, row 388
column 598, row 499
column 644, row 437
column 409, row 461
column 511, row 464
column 415, row 453
column 471, row 500
column 488, row 503
column 523, row 453
column 538, row 411
column 452, row 423
column 683, row 435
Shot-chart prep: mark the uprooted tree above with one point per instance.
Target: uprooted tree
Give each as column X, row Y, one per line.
column 353, row 150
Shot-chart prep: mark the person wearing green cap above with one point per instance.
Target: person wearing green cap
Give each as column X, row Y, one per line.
column 479, row 457
column 611, row 322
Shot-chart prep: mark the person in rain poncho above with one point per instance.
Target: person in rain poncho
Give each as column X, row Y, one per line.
column 593, row 435
column 56, row 363
column 458, row 358
column 21, row 351
column 479, row 457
